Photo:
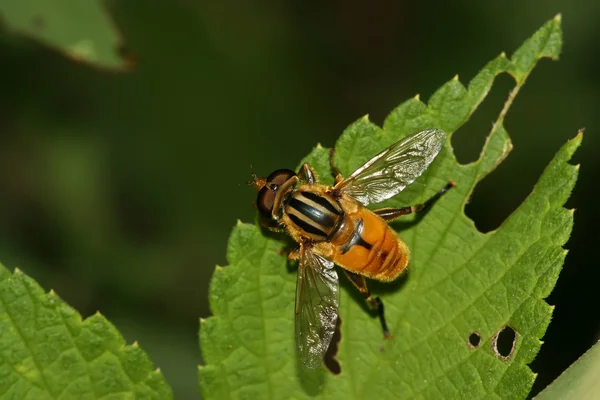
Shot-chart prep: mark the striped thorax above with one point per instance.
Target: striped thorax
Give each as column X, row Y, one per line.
column 316, row 214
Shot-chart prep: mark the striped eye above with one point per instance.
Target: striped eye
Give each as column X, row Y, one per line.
column 266, row 195
column 280, row 176
column 264, row 201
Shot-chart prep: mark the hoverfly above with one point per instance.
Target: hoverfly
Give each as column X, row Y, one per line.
column 333, row 226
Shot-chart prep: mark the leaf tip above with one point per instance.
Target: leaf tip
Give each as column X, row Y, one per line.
column 576, row 141
column 135, row 344
column 502, row 55
column 455, row 78
column 51, row 292
column 558, row 18
column 318, row 146
column 239, row 222
column 417, row 97
column 17, row 271
column 571, row 146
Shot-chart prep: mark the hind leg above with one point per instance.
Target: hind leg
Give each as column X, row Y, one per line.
column 390, row 214
column 375, row 303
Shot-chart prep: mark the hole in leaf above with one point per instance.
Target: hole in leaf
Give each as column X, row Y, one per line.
column 469, row 139
column 474, row 340
column 501, row 192
column 331, row 363
column 503, row 342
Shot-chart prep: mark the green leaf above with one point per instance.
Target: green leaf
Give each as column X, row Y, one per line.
column 82, row 30
column 48, row 352
column 579, row 381
column 459, row 281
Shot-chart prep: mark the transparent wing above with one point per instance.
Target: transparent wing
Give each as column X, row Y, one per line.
column 317, row 300
column 390, row 171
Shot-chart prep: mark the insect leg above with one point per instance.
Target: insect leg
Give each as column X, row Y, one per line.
column 390, row 214
column 270, row 224
column 338, row 174
column 294, row 255
column 375, row 303
column 307, row 173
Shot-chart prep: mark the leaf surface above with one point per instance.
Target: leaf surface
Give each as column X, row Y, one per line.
column 459, row 281
column 48, row 352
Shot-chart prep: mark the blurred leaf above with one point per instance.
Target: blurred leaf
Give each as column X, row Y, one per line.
column 82, row 30
column 48, row 352
column 459, row 281
column 579, row 381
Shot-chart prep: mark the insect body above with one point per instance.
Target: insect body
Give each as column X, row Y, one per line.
column 333, row 226
column 344, row 232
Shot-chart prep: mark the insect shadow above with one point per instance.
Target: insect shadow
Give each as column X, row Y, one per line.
column 330, row 360
column 311, row 380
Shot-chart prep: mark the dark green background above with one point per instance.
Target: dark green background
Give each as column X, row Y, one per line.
column 119, row 190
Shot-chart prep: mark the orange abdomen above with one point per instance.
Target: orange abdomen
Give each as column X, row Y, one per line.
column 377, row 253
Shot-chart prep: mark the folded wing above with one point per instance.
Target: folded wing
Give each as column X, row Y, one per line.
column 317, row 300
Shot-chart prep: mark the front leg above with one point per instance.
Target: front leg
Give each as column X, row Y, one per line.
column 294, row 255
column 307, row 173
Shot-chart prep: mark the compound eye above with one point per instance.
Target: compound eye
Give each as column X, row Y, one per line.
column 266, row 195
column 264, row 202
column 280, row 176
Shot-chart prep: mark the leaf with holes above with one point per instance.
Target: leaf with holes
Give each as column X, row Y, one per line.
column 48, row 352
column 464, row 291
column 82, row 30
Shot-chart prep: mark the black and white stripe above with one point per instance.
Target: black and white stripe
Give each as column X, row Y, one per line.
column 317, row 215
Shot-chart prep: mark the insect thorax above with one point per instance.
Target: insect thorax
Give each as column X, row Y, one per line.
column 316, row 215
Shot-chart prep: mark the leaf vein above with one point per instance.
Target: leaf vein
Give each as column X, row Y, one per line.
column 25, row 342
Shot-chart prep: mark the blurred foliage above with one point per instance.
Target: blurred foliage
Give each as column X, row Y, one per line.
column 119, row 190
column 79, row 29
